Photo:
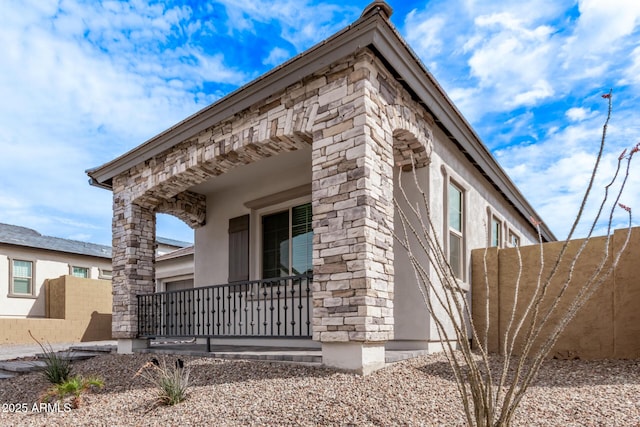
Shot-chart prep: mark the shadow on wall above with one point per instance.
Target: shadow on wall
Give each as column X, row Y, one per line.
column 39, row 309
column 97, row 328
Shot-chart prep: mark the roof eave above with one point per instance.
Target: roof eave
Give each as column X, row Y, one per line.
column 373, row 30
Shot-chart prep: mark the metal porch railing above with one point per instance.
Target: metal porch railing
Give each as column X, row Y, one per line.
column 279, row 308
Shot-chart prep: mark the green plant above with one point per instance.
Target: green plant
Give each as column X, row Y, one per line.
column 74, row 387
column 171, row 381
column 57, row 367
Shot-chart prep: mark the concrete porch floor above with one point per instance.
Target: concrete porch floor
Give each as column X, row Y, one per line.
column 267, row 353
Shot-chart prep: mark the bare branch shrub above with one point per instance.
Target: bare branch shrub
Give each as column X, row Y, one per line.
column 490, row 393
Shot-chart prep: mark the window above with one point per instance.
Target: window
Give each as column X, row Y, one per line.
column 456, row 229
column 80, row 272
column 22, row 280
column 287, row 242
column 496, row 232
column 514, row 240
column 106, row 274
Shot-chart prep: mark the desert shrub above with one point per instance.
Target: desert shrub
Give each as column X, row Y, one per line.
column 170, row 380
column 57, row 367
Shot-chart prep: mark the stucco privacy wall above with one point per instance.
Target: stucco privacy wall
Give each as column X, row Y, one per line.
column 359, row 122
column 78, row 310
column 607, row 326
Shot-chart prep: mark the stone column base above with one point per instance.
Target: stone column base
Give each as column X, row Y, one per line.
column 362, row 358
column 129, row 346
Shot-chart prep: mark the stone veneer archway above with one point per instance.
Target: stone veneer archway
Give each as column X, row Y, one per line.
column 359, row 122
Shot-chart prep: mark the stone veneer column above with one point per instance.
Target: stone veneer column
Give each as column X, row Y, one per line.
column 134, row 237
column 353, row 215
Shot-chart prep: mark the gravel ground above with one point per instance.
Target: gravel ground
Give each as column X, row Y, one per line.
column 414, row 392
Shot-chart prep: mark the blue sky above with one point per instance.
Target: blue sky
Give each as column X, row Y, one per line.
column 82, row 82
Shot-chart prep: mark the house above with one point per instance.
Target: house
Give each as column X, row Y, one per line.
column 28, row 259
column 289, row 184
column 174, row 270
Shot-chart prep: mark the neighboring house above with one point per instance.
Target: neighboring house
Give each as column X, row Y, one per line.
column 294, row 174
column 174, row 270
column 28, row 259
column 165, row 245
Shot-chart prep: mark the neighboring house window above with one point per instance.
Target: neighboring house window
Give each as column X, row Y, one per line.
column 287, row 242
column 496, row 232
column 22, row 280
column 106, row 274
column 456, row 229
column 514, row 240
column 80, row 272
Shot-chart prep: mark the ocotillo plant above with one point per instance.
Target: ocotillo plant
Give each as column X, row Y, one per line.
column 490, row 393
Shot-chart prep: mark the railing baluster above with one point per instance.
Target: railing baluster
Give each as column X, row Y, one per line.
column 286, row 306
column 308, row 318
column 271, row 305
column 208, row 311
column 278, row 292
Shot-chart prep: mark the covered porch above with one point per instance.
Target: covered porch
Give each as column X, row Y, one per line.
column 289, row 184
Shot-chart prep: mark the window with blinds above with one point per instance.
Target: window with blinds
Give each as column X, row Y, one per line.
column 80, row 272
column 456, row 229
column 496, row 232
column 287, row 242
column 22, row 280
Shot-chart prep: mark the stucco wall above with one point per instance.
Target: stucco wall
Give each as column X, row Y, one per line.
column 175, row 268
column 46, row 265
column 607, row 326
column 80, row 310
column 227, row 200
column 412, row 321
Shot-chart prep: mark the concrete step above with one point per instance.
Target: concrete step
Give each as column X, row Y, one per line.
column 22, row 366
column 398, row 355
column 4, row 375
column 300, row 356
column 107, row 348
column 72, row 355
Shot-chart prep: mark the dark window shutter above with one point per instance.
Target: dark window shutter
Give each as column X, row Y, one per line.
column 239, row 248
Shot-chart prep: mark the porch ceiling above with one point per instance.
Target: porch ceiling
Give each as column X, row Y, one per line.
column 282, row 164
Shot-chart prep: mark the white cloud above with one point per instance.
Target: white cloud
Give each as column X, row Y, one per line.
column 554, row 172
column 513, row 59
column 301, row 23
column 276, row 56
column 577, row 114
column 602, row 24
column 83, row 82
column 631, row 75
column 424, row 32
